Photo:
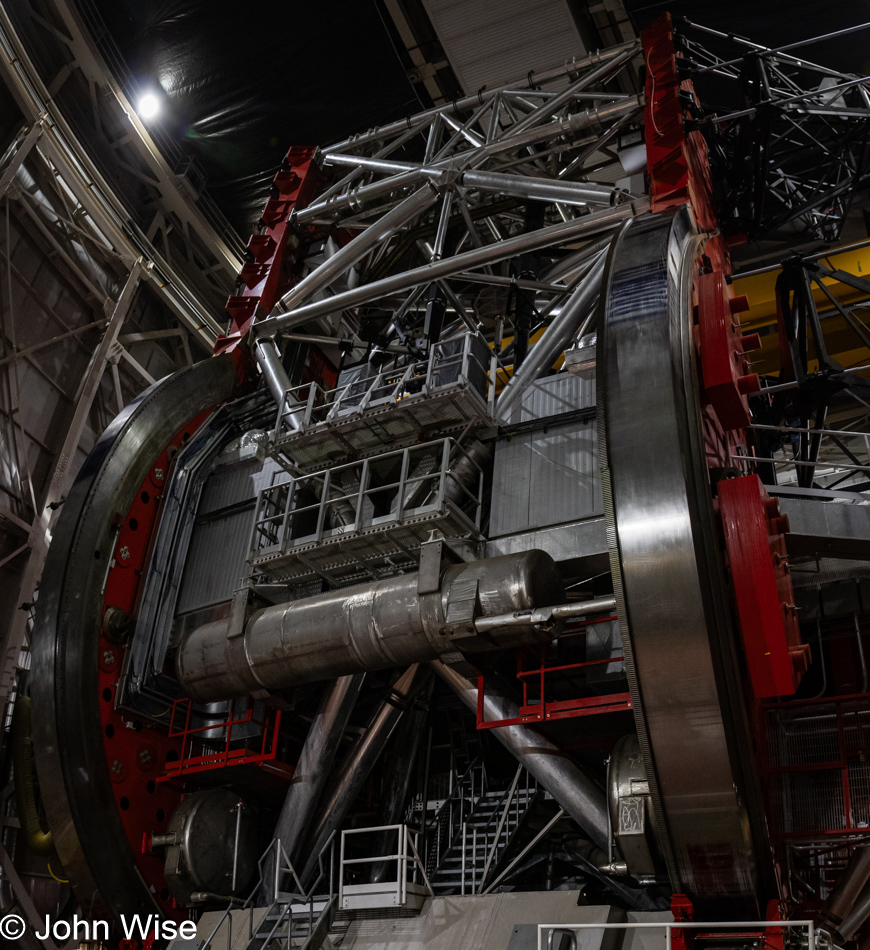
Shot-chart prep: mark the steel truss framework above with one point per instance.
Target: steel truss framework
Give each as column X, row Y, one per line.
column 788, row 137
column 507, row 192
column 120, row 304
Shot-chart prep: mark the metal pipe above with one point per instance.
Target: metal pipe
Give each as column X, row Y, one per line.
column 370, row 627
column 356, row 198
column 268, row 358
column 488, row 254
column 581, row 798
column 473, row 101
column 546, row 614
column 858, row 913
column 849, row 887
column 397, row 780
column 540, row 189
column 315, row 761
column 603, row 72
column 353, row 252
column 355, row 769
column 554, row 340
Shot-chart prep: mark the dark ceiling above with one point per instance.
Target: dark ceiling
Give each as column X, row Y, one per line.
column 242, row 82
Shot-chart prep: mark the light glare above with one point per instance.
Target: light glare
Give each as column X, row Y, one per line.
column 149, row 106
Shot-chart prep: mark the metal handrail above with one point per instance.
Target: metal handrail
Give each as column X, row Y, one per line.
column 813, row 935
column 405, row 844
column 455, row 819
column 303, row 897
column 388, row 384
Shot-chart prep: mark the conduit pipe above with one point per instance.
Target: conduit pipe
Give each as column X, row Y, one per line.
column 849, row 887
column 355, row 769
column 556, row 337
column 354, row 251
column 393, row 622
column 40, row 842
column 315, row 762
column 581, row 798
column 268, row 358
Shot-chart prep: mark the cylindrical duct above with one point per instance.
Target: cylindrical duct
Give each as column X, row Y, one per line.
column 399, row 769
column 849, row 886
column 556, row 337
column 859, row 912
column 371, row 627
column 581, row 798
column 312, row 770
column 268, row 358
column 355, row 769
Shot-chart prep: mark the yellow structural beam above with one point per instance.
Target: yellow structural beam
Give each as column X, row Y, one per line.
column 841, row 341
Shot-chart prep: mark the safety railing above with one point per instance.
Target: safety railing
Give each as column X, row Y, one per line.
column 463, row 358
column 547, row 933
column 835, row 455
column 370, row 494
column 303, row 900
column 410, row 883
column 248, row 736
column 441, row 830
column 510, row 812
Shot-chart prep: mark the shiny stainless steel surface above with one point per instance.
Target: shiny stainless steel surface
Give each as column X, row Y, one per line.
column 354, row 770
column 214, row 844
column 315, row 762
column 374, row 626
column 668, row 578
column 857, row 915
column 67, row 734
column 632, row 819
column 581, row 798
column 268, row 358
column 556, row 337
column 848, row 889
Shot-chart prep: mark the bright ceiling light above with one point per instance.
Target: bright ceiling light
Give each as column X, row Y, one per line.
column 149, row 106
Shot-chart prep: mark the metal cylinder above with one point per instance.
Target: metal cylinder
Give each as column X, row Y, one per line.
column 581, row 798
column 353, row 252
column 849, row 886
column 315, row 761
column 399, row 770
column 268, row 358
column 371, row 627
column 355, row 769
column 555, row 338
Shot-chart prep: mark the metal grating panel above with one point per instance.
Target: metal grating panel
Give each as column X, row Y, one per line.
column 221, row 536
column 390, row 426
column 216, row 561
column 490, row 43
column 803, row 736
column 807, row 801
column 554, row 395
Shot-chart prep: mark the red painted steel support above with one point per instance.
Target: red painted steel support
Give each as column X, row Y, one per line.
column 755, row 541
column 274, row 252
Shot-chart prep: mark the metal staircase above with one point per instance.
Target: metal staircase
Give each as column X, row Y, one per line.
column 295, row 920
column 474, row 829
column 300, row 927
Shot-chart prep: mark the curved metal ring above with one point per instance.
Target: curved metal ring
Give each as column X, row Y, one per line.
column 67, row 734
column 667, row 570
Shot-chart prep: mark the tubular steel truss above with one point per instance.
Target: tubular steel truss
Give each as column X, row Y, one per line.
column 504, row 194
column 787, row 137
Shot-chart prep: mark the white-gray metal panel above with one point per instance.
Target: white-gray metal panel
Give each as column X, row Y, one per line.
column 490, row 43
